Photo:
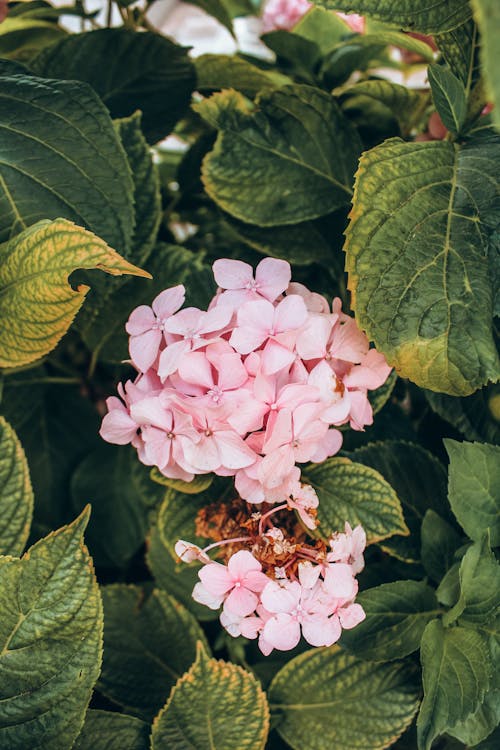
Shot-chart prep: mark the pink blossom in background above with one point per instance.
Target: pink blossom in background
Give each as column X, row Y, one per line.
column 283, row 14
column 354, row 21
column 4, row 9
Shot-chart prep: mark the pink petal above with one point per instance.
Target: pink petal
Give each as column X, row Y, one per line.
column 185, row 322
column 170, row 358
column 281, row 598
column 250, row 627
column 232, row 372
column 248, row 489
column 233, row 451
column 241, row 601
column 141, row 319
column 215, row 319
column 246, row 340
column 118, row 427
column 195, row 368
column 241, row 563
column 371, row 373
column 361, row 413
column 272, row 277
column 282, row 632
column 290, row 313
column 255, row 580
column 340, row 582
column 203, row 596
column 348, row 342
column 308, row 574
column 169, row 301
column 276, row 357
column 258, row 314
column 351, row 615
column 313, row 338
column 330, row 444
column 204, row 455
column 232, row 274
column 321, row 631
column 231, row 622
column 280, row 432
column 216, row 578
column 276, row 467
column 149, row 411
column 144, row 348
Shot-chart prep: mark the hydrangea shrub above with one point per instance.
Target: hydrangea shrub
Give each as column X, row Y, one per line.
column 250, row 486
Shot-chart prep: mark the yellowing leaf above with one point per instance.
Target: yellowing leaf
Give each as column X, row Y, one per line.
column 16, row 494
column 214, row 705
column 50, row 641
column 37, row 305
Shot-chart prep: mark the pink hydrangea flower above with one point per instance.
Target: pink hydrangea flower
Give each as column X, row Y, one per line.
column 238, row 285
column 146, row 326
column 349, row 548
column 236, row 584
column 283, row 14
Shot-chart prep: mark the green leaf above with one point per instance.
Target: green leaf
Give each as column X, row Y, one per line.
column 440, row 541
column 218, row 10
column 474, row 488
column 289, row 158
column 146, row 71
column 16, row 494
column 460, row 50
column 51, row 641
column 298, row 56
column 479, row 725
column 199, row 484
column 177, row 520
column 355, row 493
column 60, row 157
column 122, row 495
column 448, row 591
column 36, row 300
column 456, row 672
column 57, row 426
column 487, row 14
column 106, row 730
column 368, row 100
column 215, row 704
column 449, row 97
column 417, row 259
column 477, row 417
column 23, row 38
column 148, row 645
column 426, row 16
column 323, row 28
column 232, row 72
column 479, row 577
column 419, row 481
column 491, row 743
column 396, row 616
column 326, row 698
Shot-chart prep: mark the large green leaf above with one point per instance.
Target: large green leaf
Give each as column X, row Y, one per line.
column 57, row 426
column 122, row 496
column 288, row 158
column 36, row 301
column 16, row 494
column 474, row 488
column 358, row 494
column 477, row 416
column 326, row 698
column 456, row 673
column 129, row 70
column 460, row 49
column 440, row 541
column 106, row 730
column 481, row 723
column 51, row 641
column 60, row 156
column 426, row 16
column 396, row 616
column 215, row 72
column 215, row 705
column 419, row 481
column 487, row 13
column 417, row 259
column 479, row 578
column 148, row 645
column 448, row 93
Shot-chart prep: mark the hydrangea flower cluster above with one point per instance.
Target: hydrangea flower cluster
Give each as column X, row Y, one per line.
column 285, row 14
column 311, row 592
column 250, row 388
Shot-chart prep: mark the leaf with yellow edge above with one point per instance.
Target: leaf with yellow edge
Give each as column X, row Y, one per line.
column 214, row 705
column 16, row 494
column 196, row 485
column 37, row 305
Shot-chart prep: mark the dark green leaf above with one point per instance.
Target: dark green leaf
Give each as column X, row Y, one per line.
column 215, row 705
column 323, row 28
column 51, row 641
column 326, row 698
column 449, row 97
column 448, row 591
column 105, row 730
column 358, row 494
column 474, row 488
column 23, row 38
column 479, row 725
column 60, row 158
column 215, row 72
column 122, row 496
column 479, row 577
column 289, row 158
column 368, row 101
column 16, row 494
column 440, row 541
column 456, row 672
column 148, row 645
column 460, row 49
column 145, row 71
column 477, row 417
column 417, row 259
column 426, row 16
column 396, row 616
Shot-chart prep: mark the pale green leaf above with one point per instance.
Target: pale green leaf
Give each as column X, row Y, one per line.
column 448, row 591
column 487, row 14
column 148, row 644
column 358, row 494
column 323, row 28
column 145, row 71
column 215, row 72
column 16, row 494
column 474, row 488
column 419, row 481
column 36, row 301
column 50, row 641
column 479, row 577
column 440, row 541
column 426, row 16
column 214, row 705
column 449, row 97
column 456, row 672
column 24, row 38
column 106, row 730
column 199, row 484
column 417, row 259
column 326, row 698
column 60, row 157
column 288, row 158
column 396, row 616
